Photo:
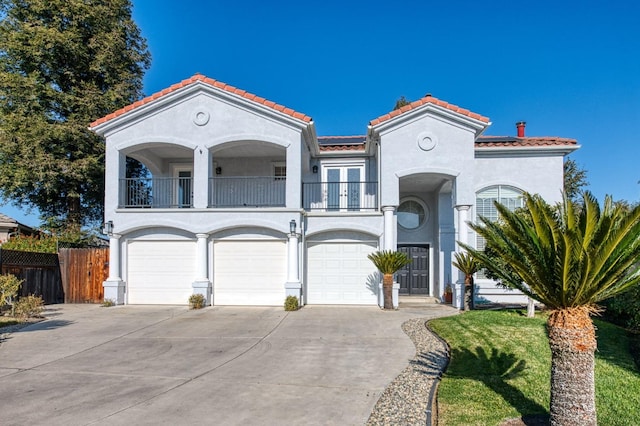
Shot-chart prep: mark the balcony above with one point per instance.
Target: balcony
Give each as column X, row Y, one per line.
column 156, row 192
column 224, row 192
column 340, row 196
column 247, row 191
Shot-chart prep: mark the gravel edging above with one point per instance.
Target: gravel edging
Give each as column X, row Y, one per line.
column 406, row 400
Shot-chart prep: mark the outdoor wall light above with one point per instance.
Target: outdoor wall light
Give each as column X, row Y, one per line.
column 108, row 228
column 292, row 227
column 314, row 169
column 218, row 170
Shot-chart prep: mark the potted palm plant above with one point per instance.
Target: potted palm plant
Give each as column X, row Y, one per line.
column 448, row 294
column 388, row 263
column 468, row 265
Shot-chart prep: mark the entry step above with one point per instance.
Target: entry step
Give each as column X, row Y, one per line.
column 417, row 300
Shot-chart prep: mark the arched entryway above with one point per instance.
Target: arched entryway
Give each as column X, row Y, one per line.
column 424, row 218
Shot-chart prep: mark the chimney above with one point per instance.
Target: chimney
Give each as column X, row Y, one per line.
column 520, row 125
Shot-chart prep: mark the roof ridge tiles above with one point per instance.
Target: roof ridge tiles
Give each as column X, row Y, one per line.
column 489, row 138
column 207, row 80
column 428, row 100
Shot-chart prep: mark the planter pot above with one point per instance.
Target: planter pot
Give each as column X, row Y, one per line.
column 448, row 298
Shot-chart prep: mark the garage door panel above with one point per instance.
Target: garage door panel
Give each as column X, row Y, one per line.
column 160, row 272
column 249, row 272
column 340, row 273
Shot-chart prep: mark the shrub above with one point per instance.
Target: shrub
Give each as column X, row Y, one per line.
column 108, row 303
column 9, row 286
column 624, row 309
column 29, row 307
column 38, row 244
column 196, row 301
column 291, row 303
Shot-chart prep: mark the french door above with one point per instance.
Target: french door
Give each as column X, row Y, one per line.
column 183, row 187
column 343, row 187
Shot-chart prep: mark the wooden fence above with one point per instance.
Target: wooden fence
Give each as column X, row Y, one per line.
column 83, row 270
column 40, row 272
column 74, row 275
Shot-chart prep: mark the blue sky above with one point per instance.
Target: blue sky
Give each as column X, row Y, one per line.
column 567, row 68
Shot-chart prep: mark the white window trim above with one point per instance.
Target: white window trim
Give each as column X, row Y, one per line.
column 480, row 274
column 275, row 165
column 425, row 208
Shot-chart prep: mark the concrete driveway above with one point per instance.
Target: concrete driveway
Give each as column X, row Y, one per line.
column 137, row 365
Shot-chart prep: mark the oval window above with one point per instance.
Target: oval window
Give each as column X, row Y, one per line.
column 411, row 214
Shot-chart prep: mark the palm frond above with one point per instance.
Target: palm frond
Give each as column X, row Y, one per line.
column 389, row 261
column 466, row 263
column 565, row 256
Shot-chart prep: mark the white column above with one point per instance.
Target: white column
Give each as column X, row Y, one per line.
column 201, row 164
column 292, row 259
column 114, row 258
column 201, row 253
column 202, row 285
column 114, row 286
column 389, row 244
column 293, row 286
column 463, row 228
column 463, row 237
column 389, row 228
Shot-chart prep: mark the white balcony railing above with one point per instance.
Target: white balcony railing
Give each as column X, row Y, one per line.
column 247, row 191
column 156, row 192
column 340, row 196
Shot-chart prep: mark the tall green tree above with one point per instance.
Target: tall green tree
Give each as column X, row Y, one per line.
column 568, row 258
column 575, row 179
column 402, row 101
column 63, row 64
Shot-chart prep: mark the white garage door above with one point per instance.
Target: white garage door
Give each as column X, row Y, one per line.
column 160, row 272
column 341, row 273
column 249, row 272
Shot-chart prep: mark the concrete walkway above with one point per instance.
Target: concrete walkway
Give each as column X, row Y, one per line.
column 138, row 365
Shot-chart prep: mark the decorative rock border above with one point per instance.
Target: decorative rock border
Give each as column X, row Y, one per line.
column 408, row 399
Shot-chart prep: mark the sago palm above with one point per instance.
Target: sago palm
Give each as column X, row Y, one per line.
column 569, row 259
column 468, row 265
column 388, row 263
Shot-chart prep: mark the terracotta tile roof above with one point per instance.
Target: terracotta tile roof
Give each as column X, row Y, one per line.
column 342, row 147
column 342, row 140
column 511, row 141
column 428, row 100
column 342, row 143
column 212, row 82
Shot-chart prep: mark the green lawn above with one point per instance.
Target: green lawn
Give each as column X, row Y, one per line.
column 500, row 366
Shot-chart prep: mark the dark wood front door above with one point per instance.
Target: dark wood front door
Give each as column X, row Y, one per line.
column 414, row 278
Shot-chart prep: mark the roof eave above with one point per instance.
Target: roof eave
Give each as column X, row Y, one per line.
column 343, row 153
column 506, row 150
column 478, row 126
column 198, row 86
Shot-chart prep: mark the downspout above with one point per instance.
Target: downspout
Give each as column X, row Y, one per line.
column 379, row 171
column 301, row 255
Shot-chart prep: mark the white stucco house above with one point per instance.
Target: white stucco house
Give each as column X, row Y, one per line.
column 245, row 204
